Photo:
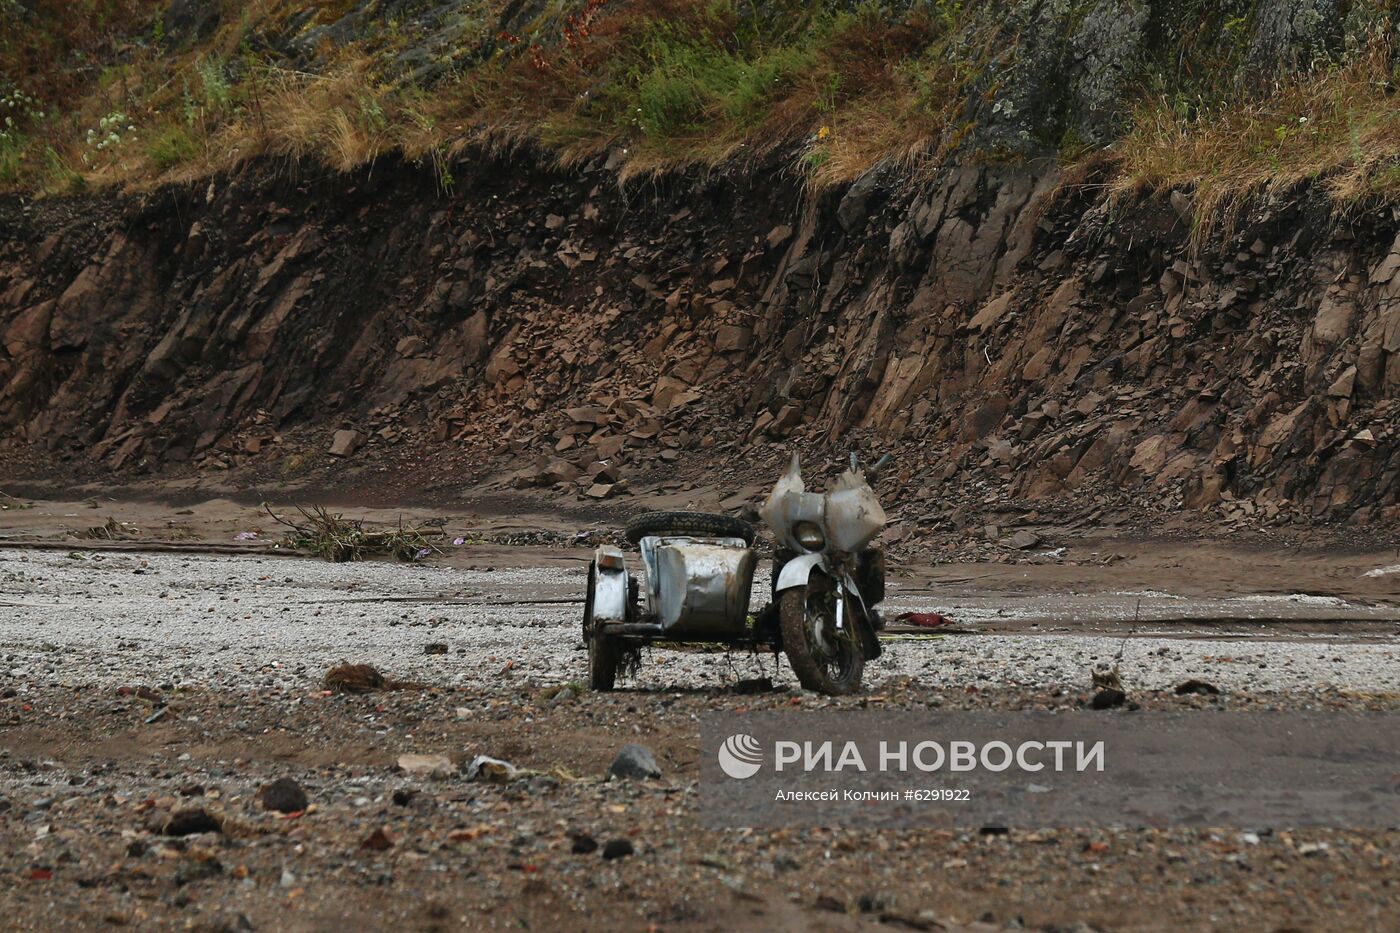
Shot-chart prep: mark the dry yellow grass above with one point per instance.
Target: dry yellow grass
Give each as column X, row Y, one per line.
column 1339, row 127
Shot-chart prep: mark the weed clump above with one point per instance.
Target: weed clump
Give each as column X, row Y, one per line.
column 338, row 539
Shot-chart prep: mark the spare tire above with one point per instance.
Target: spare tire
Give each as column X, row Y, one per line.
column 701, row 524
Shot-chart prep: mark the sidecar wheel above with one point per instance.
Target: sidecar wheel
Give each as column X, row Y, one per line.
column 825, row 659
column 603, row 656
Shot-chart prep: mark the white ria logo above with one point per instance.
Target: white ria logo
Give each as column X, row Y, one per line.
column 740, row 756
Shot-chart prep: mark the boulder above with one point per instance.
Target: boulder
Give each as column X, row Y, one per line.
column 345, row 443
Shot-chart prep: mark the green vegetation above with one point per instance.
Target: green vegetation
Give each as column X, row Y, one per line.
column 172, row 146
column 1229, row 98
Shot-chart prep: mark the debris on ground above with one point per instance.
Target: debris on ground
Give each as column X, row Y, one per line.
column 354, row 678
column 924, row 619
column 491, row 770
column 339, row 539
column 110, row 530
column 1107, row 678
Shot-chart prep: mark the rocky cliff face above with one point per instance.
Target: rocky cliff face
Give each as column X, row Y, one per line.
column 1012, row 337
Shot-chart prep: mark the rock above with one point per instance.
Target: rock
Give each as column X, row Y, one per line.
column 634, row 762
column 354, row 678
column 1196, row 686
column 1108, row 699
column 991, row 312
column 779, row 235
column 985, row 418
column 854, row 208
column 601, row 491
column 1293, row 34
column 345, row 443
column 731, row 338
column 190, row 822
column 607, row 447
column 429, row 766
column 188, row 20
column 378, row 841
column 586, row 414
column 1344, row 385
column 283, row 795
column 141, row 692
column 787, row 418
column 583, row 844
column 601, row 472
column 667, row 390
column 1184, row 205
column 491, row 770
column 1024, row 539
column 618, row 848
column 197, row 869
column 435, row 647
column 548, row 472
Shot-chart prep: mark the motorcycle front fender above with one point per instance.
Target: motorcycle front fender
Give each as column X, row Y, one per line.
column 796, row 571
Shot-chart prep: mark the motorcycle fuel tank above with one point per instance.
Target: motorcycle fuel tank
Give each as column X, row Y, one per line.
column 704, row 588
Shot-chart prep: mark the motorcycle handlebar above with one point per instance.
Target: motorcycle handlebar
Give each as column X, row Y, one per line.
column 872, row 471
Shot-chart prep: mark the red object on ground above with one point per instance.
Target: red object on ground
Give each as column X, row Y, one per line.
column 924, row 619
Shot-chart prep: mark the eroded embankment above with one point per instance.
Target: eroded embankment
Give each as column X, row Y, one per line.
column 1010, row 336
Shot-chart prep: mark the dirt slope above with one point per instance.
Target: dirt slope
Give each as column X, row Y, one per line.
column 1013, row 337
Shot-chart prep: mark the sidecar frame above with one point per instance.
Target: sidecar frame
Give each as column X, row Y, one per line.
column 692, row 589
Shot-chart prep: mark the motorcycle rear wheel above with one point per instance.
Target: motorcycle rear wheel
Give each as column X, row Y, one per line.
column 825, row 659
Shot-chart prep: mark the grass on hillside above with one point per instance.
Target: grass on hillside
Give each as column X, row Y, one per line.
column 671, row 82
column 1339, row 125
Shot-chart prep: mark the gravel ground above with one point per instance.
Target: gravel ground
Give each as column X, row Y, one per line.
column 231, row 622
column 146, row 700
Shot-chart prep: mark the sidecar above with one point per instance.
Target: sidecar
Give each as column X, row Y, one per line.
column 696, row 571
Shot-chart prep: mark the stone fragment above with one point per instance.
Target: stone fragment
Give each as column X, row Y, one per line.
column 429, row 766
column 345, row 443
column 635, row 762
column 283, row 795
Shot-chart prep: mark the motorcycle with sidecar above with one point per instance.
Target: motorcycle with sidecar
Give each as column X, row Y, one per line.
column 696, row 575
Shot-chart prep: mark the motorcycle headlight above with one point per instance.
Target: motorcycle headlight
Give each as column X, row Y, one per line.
column 809, row 535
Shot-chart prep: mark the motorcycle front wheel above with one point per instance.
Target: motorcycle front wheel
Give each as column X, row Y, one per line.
column 825, row 659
